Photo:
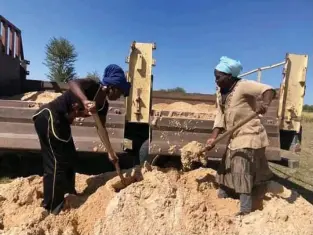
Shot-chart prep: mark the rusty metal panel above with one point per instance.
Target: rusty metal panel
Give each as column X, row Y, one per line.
column 17, row 129
column 12, row 41
column 18, row 45
column 4, row 37
column 140, row 75
column 172, row 130
column 292, row 92
column 9, row 37
column 11, row 69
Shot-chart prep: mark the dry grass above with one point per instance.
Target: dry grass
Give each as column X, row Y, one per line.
column 307, row 116
column 301, row 178
column 5, row 180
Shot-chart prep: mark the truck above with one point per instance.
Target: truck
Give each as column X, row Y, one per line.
column 137, row 131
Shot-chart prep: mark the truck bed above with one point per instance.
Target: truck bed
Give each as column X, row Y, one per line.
column 18, row 132
column 170, row 130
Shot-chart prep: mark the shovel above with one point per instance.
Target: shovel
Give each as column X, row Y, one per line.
column 229, row 132
column 101, row 135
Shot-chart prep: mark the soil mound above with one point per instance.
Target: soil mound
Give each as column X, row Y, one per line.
column 159, row 202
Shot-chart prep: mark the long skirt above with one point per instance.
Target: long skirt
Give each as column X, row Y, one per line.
column 243, row 169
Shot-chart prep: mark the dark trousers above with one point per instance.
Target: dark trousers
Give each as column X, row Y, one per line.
column 58, row 152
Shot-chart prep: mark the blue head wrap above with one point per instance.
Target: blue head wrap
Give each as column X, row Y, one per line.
column 115, row 76
column 229, row 66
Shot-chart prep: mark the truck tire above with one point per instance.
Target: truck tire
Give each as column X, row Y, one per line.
column 144, row 153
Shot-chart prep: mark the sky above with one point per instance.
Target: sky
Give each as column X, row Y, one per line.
column 191, row 36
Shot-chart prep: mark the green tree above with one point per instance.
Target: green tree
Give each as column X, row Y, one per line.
column 60, row 59
column 177, row 89
column 308, row 108
column 94, row 75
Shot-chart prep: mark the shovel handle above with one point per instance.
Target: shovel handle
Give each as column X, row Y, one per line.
column 118, row 170
column 229, row 132
column 101, row 135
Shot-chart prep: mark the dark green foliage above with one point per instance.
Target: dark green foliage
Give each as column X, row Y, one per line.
column 93, row 75
column 60, row 58
column 308, row 108
column 177, row 89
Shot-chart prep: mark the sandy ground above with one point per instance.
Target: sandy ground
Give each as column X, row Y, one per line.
column 159, row 202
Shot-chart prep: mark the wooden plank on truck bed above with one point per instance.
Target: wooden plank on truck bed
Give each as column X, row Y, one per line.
column 28, row 128
column 11, row 141
column 170, row 97
column 170, row 134
column 198, row 125
column 30, row 104
column 271, row 112
column 17, row 130
column 24, row 115
column 175, row 137
column 173, row 149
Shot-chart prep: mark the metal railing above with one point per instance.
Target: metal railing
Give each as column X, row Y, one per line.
column 11, row 39
column 259, row 70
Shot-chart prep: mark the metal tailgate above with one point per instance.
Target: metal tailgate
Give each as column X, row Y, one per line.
column 17, row 130
column 170, row 131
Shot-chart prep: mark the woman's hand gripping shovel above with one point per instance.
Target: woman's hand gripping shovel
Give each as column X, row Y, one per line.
column 229, row 132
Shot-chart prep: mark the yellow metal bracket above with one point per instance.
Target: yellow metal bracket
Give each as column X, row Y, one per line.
column 292, row 91
column 140, row 76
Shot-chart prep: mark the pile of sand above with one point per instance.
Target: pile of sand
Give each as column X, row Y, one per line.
column 42, row 97
column 184, row 107
column 186, row 110
column 160, row 202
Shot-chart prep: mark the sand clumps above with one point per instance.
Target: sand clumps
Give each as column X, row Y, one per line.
column 41, row 97
column 190, row 156
column 36, row 98
column 157, row 202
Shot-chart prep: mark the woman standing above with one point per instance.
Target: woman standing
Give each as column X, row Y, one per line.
column 52, row 123
column 244, row 166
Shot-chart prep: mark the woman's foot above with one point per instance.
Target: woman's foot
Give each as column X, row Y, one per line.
column 241, row 213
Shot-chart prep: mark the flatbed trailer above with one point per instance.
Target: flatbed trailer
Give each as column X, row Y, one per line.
column 132, row 122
